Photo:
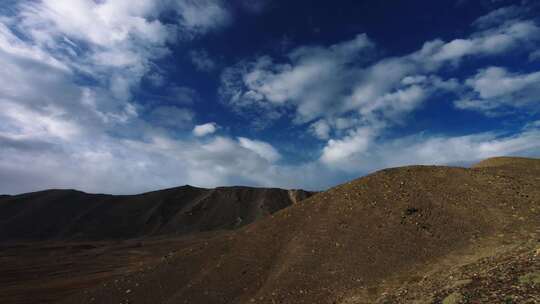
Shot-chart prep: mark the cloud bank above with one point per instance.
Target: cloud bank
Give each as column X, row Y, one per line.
column 71, row 117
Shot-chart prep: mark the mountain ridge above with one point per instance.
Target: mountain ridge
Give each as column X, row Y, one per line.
column 73, row 214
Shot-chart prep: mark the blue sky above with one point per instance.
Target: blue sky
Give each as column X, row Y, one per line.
column 123, row 97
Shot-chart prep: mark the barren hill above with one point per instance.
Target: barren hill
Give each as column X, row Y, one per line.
column 515, row 162
column 70, row 214
column 396, row 236
column 418, row 234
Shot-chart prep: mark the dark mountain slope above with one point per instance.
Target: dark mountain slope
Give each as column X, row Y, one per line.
column 360, row 242
column 69, row 214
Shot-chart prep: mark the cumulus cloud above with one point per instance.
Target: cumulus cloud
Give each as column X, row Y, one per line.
column 326, row 82
column 354, row 154
column 462, row 149
column 311, row 81
column 499, row 16
column 200, row 16
column 321, row 129
column 113, row 42
column 104, row 164
column 495, row 89
column 349, row 96
column 205, row 129
column 81, row 127
column 346, row 151
column 28, row 124
column 261, row 148
column 488, row 42
column 68, row 71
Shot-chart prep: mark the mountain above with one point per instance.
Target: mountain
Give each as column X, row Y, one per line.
column 70, row 214
column 417, row 234
column 420, row 233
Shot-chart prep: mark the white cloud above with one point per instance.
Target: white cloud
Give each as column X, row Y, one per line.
column 96, row 138
column 68, row 72
column 311, row 81
column 499, row 16
column 28, row 124
column 200, row 16
column 113, row 41
column 495, row 82
column 14, row 46
column 365, row 153
column 110, row 23
column 495, row 89
column 342, row 79
column 341, row 153
column 321, row 129
column 205, row 129
column 261, row 148
column 349, row 99
column 458, row 149
column 488, row 42
column 414, row 79
column 105, row 164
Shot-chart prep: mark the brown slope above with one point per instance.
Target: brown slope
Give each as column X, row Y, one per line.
column 69, row 214
column 514, row 162
column 351, row 244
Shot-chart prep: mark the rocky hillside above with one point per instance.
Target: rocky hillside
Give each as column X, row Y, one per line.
column 69, row 214
column 417, row 234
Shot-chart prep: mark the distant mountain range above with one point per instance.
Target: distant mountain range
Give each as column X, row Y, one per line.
column 70, row 214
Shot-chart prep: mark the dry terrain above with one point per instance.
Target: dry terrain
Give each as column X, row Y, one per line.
column 418, row 234
column 75, row 215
